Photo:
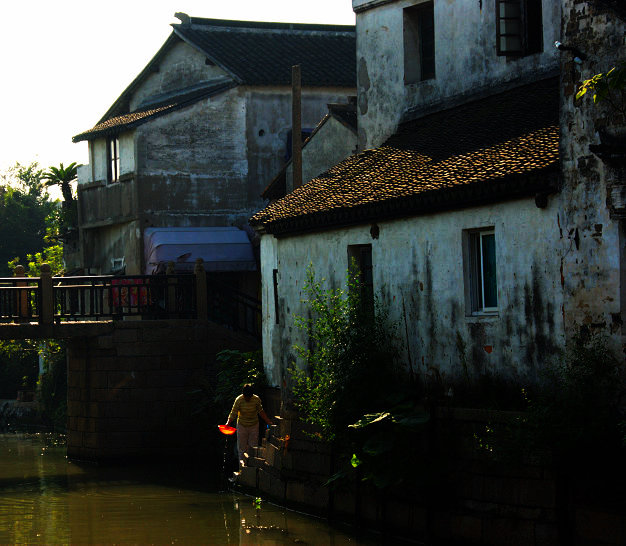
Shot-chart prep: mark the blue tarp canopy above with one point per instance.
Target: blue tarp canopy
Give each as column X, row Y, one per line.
column 221, row 248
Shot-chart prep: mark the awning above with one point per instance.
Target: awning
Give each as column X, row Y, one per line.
column 221, row 248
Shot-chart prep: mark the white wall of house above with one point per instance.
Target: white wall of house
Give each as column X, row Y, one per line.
column 466, row 59
column 419, row 271
column 330, row 145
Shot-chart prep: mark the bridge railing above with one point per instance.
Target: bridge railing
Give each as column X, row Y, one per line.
column 48, row 299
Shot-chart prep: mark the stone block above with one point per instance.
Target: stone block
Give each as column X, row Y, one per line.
column 509, row 531
column 596, row 527
column 546, row 534
column 105, row 342
column 540, row 493
column 126, row 335
column 307, row 494
column 272, row 486
column 248, row 476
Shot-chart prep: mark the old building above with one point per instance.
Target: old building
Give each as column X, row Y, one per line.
column 593, row 150
column 201, row 131
column 334, row 139
column 460, row 215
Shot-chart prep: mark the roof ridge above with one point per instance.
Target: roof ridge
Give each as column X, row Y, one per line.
column 265, row 25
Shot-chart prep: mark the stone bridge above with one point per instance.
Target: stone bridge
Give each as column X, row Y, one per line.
column 137, row 348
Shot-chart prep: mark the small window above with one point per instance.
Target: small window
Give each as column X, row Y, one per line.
column 481, row 271
column 519, row 27
column 360, row 257
column 419, row 43
column 113, row 153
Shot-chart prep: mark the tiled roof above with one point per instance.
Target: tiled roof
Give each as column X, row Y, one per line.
column 345, row 113
column 263, row 53
column 495, row 148
column 124, row 122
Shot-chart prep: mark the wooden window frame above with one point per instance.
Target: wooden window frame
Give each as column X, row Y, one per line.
column 531, row 28
column 113, row 159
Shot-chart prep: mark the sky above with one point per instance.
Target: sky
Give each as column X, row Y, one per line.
column 64, row 62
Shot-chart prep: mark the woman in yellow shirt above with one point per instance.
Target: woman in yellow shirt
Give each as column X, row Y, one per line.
column 247, row 408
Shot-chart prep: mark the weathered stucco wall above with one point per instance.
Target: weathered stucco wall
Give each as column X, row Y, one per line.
column 591, row 264
column 120, row 240
column 183, row 66
column 465, row 59
column 268, row 125
column 330, row 145
column 418, row 270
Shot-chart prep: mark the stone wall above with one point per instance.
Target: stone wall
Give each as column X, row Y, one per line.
column 130, row 389
column 476, row 501
column 593, row 264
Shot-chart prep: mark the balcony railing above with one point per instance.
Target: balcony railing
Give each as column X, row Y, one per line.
column 49, row 300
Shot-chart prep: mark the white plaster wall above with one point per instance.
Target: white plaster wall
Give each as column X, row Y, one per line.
column 418, row 271
column 466, row 59
column 127, row 152
column 329, row 146
column 183, row 66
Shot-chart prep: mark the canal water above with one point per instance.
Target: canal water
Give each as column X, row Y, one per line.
column 47, row 499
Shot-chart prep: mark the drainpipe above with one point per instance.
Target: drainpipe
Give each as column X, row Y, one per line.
column 296, row 125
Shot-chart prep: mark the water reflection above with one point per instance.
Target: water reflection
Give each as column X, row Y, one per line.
column 47, row 499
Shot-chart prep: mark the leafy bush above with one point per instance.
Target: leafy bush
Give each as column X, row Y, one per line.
column 352, row 357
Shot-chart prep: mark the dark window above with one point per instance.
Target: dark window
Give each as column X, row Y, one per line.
column 483, row 284
column 519, row 27
column 275, row 279
column 360, row 264
column 419, row 43
column 113, row 155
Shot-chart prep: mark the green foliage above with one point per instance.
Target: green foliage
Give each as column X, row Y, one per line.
column 351, row 361
column 573, row 418
column 62, row 177
column 609, row 87
column 18, row 360
column 576, row 412
column 398, row 435
column 233, row 370
column 24, row 208
column 52, row 384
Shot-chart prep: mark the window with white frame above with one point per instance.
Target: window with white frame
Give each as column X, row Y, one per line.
column 113, row 159
column 419, row 43
column 480, row 268
column 519, row 27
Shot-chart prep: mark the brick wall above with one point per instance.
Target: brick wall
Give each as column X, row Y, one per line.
column 130, row 390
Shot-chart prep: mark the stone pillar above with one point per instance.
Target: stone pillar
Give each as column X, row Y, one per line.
column 201, row 291
column 46, row 303
column 22, row 295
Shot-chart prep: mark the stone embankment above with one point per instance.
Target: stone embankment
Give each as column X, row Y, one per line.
column 15, row 415
column 476, row 501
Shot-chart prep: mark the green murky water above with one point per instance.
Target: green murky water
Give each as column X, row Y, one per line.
column 47, row 499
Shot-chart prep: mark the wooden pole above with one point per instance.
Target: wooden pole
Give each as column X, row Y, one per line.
column 296, row 125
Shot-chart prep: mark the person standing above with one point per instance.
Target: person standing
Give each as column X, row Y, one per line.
column 247, row 408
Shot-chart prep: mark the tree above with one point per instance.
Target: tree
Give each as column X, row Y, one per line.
column 24, row 207
column 62, row 177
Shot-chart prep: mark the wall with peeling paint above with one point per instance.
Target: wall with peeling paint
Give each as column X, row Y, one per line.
column 465, row 59
column 327, row 147
column 203, row 165
column 592, row 268
column 418, row 271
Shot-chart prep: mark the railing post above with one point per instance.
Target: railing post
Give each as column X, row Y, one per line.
column 201, row 290
column 22, row 295
column 170, row 303
column 46, row 310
